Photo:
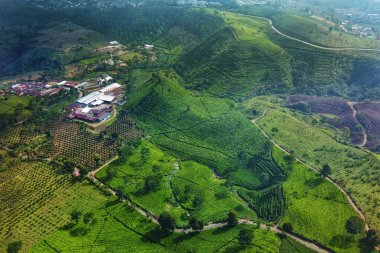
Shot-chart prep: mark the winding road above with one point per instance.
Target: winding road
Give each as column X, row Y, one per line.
column 92, row 176
column 311, row 44
column 354, row 113
column 352, row 203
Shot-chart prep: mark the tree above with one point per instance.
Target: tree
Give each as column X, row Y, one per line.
column 372, row 239
column 14, row 247
column 232, row 219
column 152, row 183
column 355, row 225
column 326, row 170
column 89, row 218
column 245, row 237
column 75, row 215
column 167, row 222
column 289, row 159
column 287, row 227
column 196, row 224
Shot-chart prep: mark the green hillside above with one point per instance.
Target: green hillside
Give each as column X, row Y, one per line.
column 247, row 58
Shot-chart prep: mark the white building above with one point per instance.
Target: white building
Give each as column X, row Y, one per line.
column 147, row 46
column 109, row 88
column 88, row 99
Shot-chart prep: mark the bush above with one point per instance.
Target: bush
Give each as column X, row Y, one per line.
column 89, row 218
column 287, row 227
column 245, row 237
column 355, row 225
column 326, row 170
column 14, row 247
column 167, row 222
column 232, row 219
column 196, row 224
column 75, row 215
column 80, row 231
column 152, row 183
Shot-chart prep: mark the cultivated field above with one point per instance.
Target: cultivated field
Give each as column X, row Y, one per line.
column 352, row 168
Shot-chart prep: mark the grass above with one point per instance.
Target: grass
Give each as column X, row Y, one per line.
column 93, row 60
column 351, row 167
column 15, row 107
column 289, row 245
column 316, row 208
column 130, row 55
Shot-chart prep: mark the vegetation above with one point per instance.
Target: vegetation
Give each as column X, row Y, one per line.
column 245, row 237
column 167, row 223
column 353, row 169
column 355, row 225
column 311, row 27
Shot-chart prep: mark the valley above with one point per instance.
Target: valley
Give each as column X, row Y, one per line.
column 170, row 128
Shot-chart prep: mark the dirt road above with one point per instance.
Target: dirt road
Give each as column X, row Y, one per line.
column 354, row 114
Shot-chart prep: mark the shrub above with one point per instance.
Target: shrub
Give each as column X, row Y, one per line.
column 167, row 222
column 80, row 231
column 152, row 183
column 287, row 227
column 196, row 224
column 326, row 170
column 232, row 219
column 245, row 237
column 89, row 218
column 14, row 247
column 75, row 215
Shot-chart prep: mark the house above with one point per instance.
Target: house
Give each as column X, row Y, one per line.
column 113, row 43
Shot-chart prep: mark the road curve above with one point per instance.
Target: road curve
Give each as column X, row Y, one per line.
column 92, row 176
column 354, row 114
column 349, row 199
column 311, row 44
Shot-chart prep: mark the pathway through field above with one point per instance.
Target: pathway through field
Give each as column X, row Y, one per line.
column 91, row 175
column 352, row 203
column 311, row 44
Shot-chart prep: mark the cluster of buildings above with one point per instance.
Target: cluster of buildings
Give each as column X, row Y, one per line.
column 37, row 89
column 42, row 89
column 96, row 106
column 356, row 29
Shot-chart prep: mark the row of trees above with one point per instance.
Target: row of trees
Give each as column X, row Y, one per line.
column 168, row 225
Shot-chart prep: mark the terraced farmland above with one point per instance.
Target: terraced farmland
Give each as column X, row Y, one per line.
column 352, row 168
